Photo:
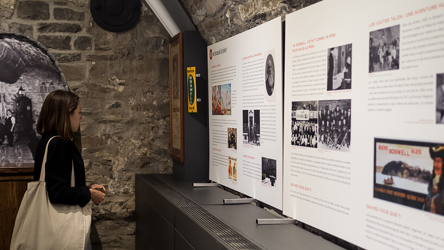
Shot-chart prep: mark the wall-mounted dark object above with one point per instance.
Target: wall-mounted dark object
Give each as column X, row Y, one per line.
column 115, row 15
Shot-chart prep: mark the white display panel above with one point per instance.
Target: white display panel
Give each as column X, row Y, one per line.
column 365, row 178
column 245, row 118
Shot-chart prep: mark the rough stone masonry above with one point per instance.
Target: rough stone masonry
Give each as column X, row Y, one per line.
column 122, row 80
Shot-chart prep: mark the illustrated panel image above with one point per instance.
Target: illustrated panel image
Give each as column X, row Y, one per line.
column 232, row 138
column 384, row 49
column 334, row 118
column 221, row 102
column 268, row 171
column 409, row 173
column 339, row 73
column 304, row 124
column 28, row 73
column 232, row 168
column 440, row 98
column 251, row 127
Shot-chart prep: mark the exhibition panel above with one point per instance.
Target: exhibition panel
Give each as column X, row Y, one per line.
column 363, row 121
column 245, row 114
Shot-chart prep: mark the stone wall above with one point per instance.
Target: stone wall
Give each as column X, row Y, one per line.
column 122, row 80
column 217, row 20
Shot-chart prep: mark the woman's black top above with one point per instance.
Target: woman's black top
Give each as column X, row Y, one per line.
column 61, row 153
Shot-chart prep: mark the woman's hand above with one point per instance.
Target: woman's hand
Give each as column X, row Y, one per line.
column 97, row 196
column 97, row 187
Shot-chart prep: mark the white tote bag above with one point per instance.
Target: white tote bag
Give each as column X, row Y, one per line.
column 41, row 225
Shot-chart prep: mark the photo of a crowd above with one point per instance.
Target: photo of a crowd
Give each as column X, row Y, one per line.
column 335, row 125
column 304, row 124
column 384, row 49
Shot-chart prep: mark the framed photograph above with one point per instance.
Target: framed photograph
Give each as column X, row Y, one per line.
column 176, row 97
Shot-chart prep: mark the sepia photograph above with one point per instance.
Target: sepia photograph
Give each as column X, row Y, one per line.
column 304, row 124
column 232, row 138
column 251, row 127
column 339, row 68
column 409, row 173
column 27, row 75
column 384, row 49
column 440, row 98
column 268, row 172
column 269, row 75
column 334, row 121
column 221, row 102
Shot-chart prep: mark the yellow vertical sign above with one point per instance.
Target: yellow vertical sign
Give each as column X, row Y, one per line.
column 191, row 80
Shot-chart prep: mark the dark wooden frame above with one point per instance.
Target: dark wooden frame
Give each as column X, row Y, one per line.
column 176, row 98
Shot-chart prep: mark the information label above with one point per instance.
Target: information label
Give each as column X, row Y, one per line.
column 191, row 87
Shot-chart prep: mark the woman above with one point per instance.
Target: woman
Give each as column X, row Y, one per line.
column 60, row 116
column 381, row 57
column 9, row 127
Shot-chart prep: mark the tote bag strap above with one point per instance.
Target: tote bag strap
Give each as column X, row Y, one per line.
column 42, row 171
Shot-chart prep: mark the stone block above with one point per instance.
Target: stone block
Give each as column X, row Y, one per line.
column 213, row 5
column 197, row 2
column 248, row 9
column 115, row 105
column 68, row 57
column 97, row 72
column 23, row 29
column 74, row 72
column 7, row 4
column 156, row 43
column 56, row 42
column 271, row 4
column 58, row 27
column 98, row 58
column 34, row 10
column 68, row 14
column 61, row 3
column 149, row 30
column 83, row 43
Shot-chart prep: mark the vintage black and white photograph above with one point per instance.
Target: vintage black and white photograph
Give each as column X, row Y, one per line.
column 384, row 49
column 339, row 73
column 269, row 75
column 27, row 75
column 335, row 125
column 251, row 127
column 304, row 124
column 232, row 138
column 440, row 98
column 268, row 172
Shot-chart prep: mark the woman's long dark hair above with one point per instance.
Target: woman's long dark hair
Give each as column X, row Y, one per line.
column 55, row 114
